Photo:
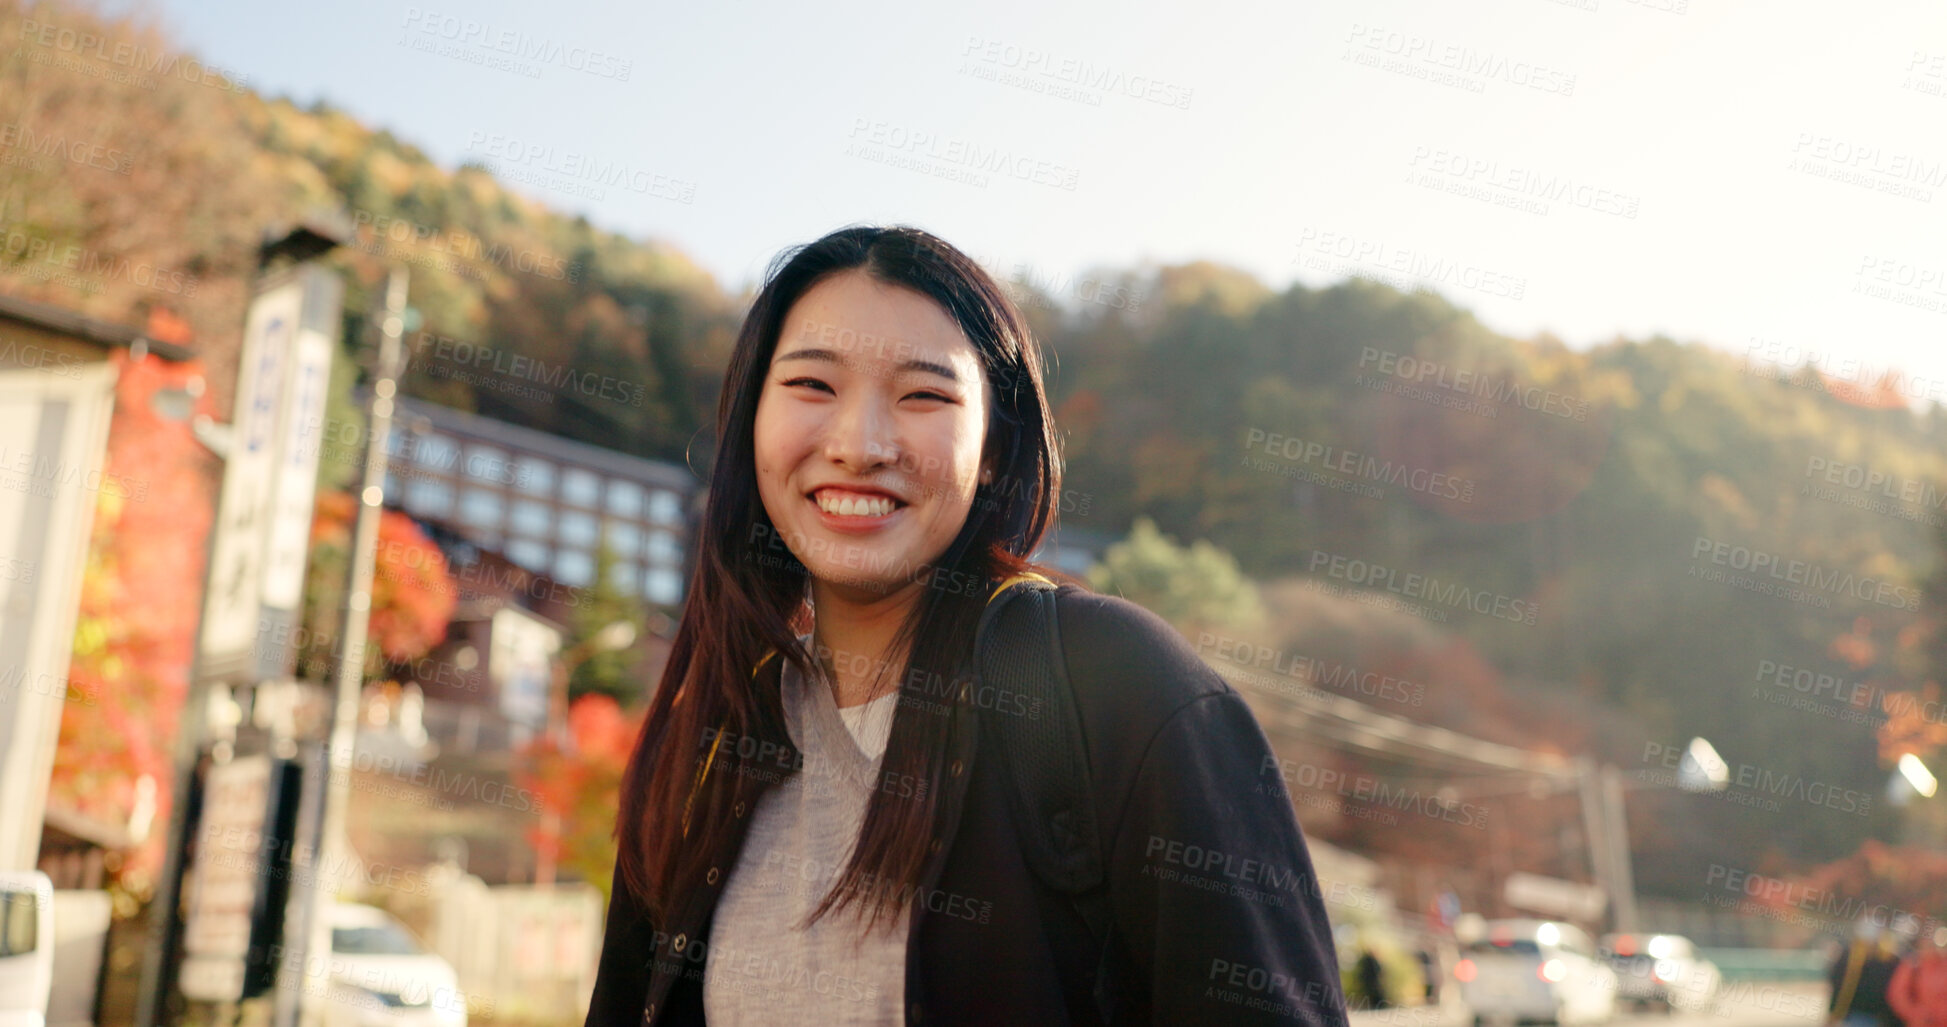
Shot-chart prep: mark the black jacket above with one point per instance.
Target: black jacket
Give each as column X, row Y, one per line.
column 1218, row 917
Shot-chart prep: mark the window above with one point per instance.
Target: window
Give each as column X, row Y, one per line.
column 433, row 498
column 624, row 498
column 624, row 538
column 19, row 922
column 530, row 518
column 485, row 463
column 581, row 487
column 574, row 567
column 437, row 451
column 534, row 476
column 529, row 554
column 577, row 529
column 374, row 940
column 481, row 508
column 663, row 548
column 661, row 585
column 665, row 508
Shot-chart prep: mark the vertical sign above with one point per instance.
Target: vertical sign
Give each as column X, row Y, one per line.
column 297, row 471
column 229, row 867
column 237, row 563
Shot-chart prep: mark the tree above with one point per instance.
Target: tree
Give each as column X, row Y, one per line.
column 1196, row 589
column 140, row 596
column 413, row 594
column 614, row 672
column 583, row 784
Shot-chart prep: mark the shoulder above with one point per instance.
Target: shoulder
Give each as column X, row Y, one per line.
column 1126, row 664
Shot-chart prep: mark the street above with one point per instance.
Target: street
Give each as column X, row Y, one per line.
column 1743, row 1004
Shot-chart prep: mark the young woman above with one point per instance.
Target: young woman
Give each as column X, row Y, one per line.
column 815, row 826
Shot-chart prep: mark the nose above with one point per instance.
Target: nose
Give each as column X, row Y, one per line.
column 862, row 435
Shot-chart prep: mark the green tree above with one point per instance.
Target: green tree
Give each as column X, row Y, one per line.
column 1196, row 588
column 614, row 673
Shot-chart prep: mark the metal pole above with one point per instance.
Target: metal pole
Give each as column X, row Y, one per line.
column 333, row 846
column 1622, row 896
column 1593, row 826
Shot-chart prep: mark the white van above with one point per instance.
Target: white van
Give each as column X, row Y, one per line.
column 26, row 947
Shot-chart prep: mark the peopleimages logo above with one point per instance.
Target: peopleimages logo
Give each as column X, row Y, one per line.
column 1763, row 781
column 1371, row 790
column 1821, row 902
column 1422, row 587
column 1798, row 572
column 1358, row 465
column 1406, row 367
column 516, row 43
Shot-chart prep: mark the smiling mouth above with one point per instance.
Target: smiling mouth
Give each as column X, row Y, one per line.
column 841, row 503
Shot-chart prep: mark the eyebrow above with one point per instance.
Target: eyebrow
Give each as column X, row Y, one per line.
column 829, row 356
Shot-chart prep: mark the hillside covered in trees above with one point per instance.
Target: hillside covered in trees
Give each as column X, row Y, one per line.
column 1605, row 549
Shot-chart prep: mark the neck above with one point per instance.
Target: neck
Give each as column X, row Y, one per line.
column 852, row 637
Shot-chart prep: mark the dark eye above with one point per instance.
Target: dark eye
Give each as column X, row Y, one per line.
column 930, row 394
column 805, row 381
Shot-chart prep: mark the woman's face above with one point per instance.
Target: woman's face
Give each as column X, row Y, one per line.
column 869, row 432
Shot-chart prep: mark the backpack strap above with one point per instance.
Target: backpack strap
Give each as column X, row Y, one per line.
column 1018, row 645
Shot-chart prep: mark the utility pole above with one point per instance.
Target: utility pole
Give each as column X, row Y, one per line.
column 1622, row 894
column 333, row 846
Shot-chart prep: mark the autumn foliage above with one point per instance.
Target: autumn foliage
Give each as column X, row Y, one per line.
column 412, row 594
column 583, row 784
column 140, row 596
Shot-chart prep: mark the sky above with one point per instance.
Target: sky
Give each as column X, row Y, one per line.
column 1765, row 176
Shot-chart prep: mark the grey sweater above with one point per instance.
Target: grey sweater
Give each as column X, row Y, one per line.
column 763, row 969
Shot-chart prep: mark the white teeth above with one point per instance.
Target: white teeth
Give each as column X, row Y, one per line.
column 850, row 507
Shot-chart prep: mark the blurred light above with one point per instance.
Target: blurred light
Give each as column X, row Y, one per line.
column 1661, row 947
column 1548, row 934
column 1463, row 971
column 616, row 635
column 1553, row 971
column 1917, row 775
column 1626, row 945
column 1702, row 770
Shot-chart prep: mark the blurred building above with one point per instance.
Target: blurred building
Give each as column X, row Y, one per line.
column 543, row 501
column 57, row 394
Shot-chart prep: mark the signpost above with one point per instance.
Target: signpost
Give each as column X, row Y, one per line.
column 237, row 899
column 253, row 582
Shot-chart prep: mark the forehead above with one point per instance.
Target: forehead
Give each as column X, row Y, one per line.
column 869, row 323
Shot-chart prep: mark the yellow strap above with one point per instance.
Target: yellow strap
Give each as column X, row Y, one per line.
column 701, row 772
column 1023, row 576
column 1855, row 963
column 704, row 771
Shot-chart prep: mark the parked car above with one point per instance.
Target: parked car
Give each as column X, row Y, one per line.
column 1535, row 971
column 1661, row 970
column 382, row 975
column 26, row 947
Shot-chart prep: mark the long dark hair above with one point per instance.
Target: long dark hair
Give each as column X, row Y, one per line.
column 747, row 596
